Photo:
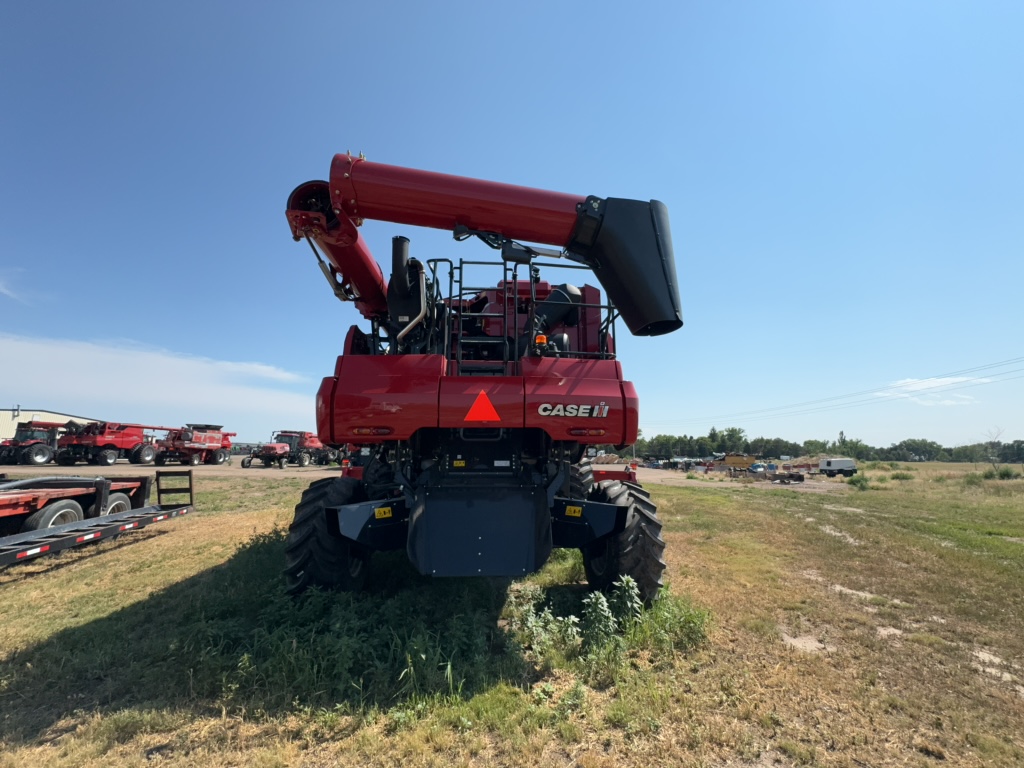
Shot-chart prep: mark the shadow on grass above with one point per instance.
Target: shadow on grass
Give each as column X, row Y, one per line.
column 229, row 638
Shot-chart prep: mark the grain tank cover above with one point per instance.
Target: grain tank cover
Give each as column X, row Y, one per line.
column 628, row 245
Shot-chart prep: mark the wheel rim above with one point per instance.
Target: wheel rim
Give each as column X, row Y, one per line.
column 63, row 517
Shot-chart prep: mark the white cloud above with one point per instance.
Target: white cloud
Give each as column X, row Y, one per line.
column 125, row 381
column 933, row 392
column 7, row 291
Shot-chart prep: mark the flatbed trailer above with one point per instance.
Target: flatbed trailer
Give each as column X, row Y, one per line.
column 23, row 498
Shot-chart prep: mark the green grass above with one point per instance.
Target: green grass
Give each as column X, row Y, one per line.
column 183, row 648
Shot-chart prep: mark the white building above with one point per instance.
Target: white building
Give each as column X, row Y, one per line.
column 9, row 418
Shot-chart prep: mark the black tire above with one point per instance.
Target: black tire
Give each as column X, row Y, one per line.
column 220, row 456
column 56, row 513
column 145, row 454
column 312, row 556
column 304, row 459
column 194, row 459
column 581, row 480
column 160, row 460
column 37, row 455
column 247, row 462
column 268, row 461
column 65, row 459
column 116, row 502
column 282, row 463
column 106, row 457
column 638, row 551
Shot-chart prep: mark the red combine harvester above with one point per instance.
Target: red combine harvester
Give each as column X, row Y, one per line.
column 195, row 444
column 34, row 442
column 291, row 447
column 104, row 442
column 478, row 397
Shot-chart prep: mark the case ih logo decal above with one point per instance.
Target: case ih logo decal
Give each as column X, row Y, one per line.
column 573, row 409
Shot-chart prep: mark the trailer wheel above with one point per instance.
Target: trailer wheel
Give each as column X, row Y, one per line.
column 106, row 457
column 638, row 551
column 304, row 459
column 116, row 502
column 246, row 462
column 315, row 558
column 37, row 455
column 65, row 459
column 59, row 512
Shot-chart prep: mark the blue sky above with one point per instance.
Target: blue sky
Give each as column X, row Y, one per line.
column 845, row 181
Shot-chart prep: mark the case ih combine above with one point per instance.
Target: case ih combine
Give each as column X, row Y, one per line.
column 290, row 447
column 34, row 442
column 104, row 442
column 195, row 444
column 478, row 393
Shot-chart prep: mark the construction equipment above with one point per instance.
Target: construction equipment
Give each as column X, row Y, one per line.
column 34, row 442
column 291, row 447
column 478, row 403
column 45, row 515
column 104, row 442
column 195, row 444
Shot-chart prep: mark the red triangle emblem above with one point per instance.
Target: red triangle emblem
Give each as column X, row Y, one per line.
column 482, row 409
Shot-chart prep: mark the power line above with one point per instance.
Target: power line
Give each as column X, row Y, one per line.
column 798, row 409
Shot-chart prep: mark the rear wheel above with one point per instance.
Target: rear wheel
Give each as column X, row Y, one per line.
column 37, row 455
column 65, row 459
column 160, row 460
column 638, row 551
column 106, row 457
column 315, row 558
column 57, row 513
column 194, row 459
column 145, row 454
column 304, row 459
column 220, row 456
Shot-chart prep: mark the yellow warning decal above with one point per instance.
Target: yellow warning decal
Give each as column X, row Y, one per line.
column 382, row 512
column 574, row 511
column 459, row 463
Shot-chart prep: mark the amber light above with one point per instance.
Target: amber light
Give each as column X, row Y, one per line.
column 372, row 431
column 541, row 339
column 579, row 432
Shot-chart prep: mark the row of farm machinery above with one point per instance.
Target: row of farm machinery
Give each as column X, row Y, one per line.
column 37, row 443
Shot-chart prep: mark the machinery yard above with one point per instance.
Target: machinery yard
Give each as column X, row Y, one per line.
column 847, row 628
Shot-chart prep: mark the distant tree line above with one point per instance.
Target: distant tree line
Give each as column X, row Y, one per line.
column 735, row 440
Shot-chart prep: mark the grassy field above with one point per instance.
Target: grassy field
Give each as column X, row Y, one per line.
column 877, row 624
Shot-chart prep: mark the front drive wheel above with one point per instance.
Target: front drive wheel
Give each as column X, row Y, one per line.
column 638, row 551
column 56, row 513
column 312, row 556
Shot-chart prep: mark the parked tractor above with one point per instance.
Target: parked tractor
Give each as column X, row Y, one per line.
column 195, row 444
column 34, row 442
column 477, row 404
column 290, row 447
column 104, row 442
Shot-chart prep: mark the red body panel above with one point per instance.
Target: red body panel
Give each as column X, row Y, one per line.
column 366, row 190
column 592, row 386
column 27, row 501
column 400, row 394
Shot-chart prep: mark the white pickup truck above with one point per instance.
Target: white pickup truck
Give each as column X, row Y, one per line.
column 833, row 467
